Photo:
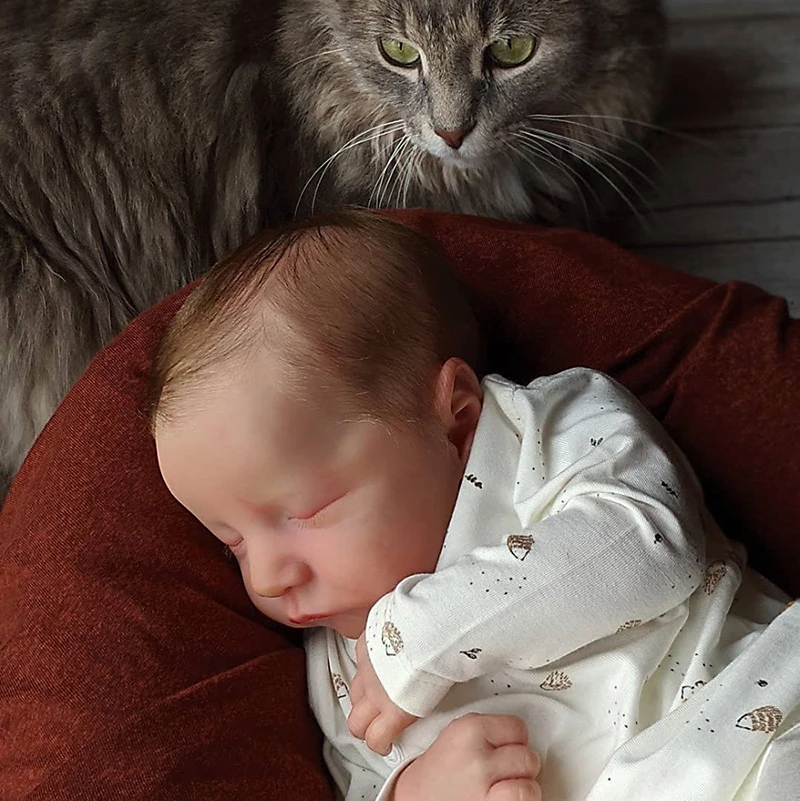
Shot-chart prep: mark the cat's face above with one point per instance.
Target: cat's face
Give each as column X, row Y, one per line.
column 464, row 75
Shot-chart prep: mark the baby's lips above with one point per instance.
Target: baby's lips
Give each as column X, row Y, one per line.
column 303, row 620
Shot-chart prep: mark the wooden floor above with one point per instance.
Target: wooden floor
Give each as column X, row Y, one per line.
column 727, row 204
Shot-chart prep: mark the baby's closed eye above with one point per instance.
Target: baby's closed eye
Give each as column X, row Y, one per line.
column 318, row 516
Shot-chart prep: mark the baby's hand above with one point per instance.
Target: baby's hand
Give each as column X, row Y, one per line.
column 475, row 758
column 373, row 718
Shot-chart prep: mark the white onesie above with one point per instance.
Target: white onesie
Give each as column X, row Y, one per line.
column 583, row 587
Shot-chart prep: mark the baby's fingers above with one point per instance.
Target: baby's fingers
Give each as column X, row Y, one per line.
column 381, row 734
column 515, row 790
column 513, row 771
column 513, row 762
column 361, row 716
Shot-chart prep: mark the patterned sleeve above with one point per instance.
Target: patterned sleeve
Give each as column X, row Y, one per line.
column 609, row 535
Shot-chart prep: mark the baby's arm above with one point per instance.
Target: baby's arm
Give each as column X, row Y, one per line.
column 620, row 543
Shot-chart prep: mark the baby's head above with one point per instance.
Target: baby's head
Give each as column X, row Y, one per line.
column 313, row 405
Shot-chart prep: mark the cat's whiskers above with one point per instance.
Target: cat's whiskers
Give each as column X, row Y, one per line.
column 603, row 132
column 387, row 162
column 569, row 171
column 389, row 169
column 630, row 121
column 412, row 164
column 400, row 163
column 532, row 163
column 396, row 126
column 379, row 153
column 601, row 154
column 541, row 136
column 361, row 138
column 602, row 157
column 564, row 166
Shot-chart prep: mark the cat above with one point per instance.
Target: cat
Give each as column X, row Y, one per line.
column 140, row 142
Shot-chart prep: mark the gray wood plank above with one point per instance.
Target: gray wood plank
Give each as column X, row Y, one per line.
column 728, row 9
column 774, row 266
column 728, row 208
column 733, row 73
column 727, row 203
column 734, row 186
column 734, row 166
column 704, row 224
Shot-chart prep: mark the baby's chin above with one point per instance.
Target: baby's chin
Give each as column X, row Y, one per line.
column 350, row 632
column 350, row 626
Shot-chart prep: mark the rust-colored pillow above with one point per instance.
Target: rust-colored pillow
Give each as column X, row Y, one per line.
column 131, row 663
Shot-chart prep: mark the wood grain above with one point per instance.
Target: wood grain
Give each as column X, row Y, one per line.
column 726, row 204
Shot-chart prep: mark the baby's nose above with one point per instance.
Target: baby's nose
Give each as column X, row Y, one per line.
column 269, row 583
column 269, row 591
column 271, row 580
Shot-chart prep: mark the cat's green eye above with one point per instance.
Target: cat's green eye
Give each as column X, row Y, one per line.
column 399, row 53
column 513, row 51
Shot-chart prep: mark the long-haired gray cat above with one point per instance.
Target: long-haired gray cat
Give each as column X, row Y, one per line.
column 141, row 141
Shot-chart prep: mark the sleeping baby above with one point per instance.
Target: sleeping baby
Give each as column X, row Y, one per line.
column 510, row 592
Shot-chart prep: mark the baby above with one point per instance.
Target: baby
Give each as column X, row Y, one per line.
column 494, row 578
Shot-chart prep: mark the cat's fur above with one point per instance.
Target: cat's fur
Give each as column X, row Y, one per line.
column 139, row 142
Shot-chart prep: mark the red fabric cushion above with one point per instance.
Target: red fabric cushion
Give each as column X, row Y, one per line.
column 133, row 666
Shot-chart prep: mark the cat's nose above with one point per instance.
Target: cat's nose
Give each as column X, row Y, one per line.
column 454, row 138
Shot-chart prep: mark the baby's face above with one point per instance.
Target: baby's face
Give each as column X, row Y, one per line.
column 323, row 516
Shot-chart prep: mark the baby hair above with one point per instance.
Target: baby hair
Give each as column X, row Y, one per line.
column 357, row 307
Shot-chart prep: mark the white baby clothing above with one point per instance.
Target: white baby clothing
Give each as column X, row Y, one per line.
column 583, row 587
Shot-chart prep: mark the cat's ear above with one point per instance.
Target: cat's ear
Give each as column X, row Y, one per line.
column 458, row 399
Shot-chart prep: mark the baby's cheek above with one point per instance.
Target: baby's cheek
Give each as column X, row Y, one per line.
column 272, row 611
column 266, row 606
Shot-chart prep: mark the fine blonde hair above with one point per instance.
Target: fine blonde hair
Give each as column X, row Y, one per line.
column 351, row 302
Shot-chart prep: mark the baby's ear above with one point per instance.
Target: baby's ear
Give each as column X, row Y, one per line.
column 459, row 399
